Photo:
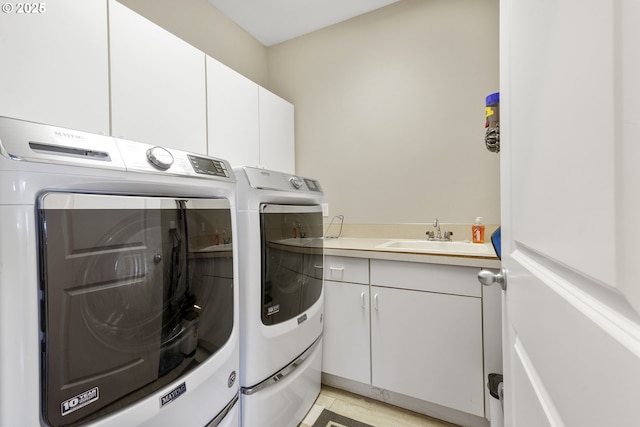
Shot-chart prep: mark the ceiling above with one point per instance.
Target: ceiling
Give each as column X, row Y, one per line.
column 274, row 21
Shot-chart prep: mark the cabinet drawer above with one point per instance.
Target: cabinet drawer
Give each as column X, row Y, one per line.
column 343, row 269
column 446, row 279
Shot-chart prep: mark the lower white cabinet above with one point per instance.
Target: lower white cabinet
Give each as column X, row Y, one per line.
column 346, row 343
column 428, row 346
column 410, row 328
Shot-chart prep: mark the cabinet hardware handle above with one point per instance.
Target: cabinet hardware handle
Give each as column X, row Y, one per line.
column 375, row 302
column 362, row 300
column 336, row 272
column 317, row 266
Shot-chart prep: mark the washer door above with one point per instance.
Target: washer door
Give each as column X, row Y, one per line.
column 137, row 291
column 291, row 260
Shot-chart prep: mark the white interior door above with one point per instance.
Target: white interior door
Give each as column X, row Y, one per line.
column 570, row 123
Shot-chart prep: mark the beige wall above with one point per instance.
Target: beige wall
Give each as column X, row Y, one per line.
column 389, row 105
column 203, row 26
column 390, row 111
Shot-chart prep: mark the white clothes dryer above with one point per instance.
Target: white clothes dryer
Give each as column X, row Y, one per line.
column 118, row 271
column 281, row 296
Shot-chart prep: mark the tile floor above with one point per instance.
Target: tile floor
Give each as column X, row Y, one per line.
column 372, row 412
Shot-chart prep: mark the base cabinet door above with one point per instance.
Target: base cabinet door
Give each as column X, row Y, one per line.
column 429, row 346
column 346, row 331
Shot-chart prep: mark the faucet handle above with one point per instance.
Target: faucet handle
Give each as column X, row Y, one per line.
column 429, row 234
column 448, row 234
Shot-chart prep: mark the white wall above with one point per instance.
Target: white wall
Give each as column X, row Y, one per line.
column 390, row 111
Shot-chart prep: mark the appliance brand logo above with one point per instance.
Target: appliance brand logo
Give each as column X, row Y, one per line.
column 68, row 135
column 79, row 401
column 173, row 394
column 302, row 318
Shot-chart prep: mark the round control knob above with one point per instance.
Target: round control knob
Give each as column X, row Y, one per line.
column 160, row 157
column 296, row 182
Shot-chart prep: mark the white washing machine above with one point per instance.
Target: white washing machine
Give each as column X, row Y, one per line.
column 281, row 296
column 118, row 272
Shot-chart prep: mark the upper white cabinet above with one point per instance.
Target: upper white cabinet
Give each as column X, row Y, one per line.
column 248, row 125
column 55, row 65
column 276, row 132
column 233, row 115
column 157, row 84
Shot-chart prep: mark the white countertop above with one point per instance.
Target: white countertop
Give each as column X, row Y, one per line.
column 451, row 253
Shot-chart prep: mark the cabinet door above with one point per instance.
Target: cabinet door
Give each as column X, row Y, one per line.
column 232, row 114
column 277, row 150
column 429, row 346
column 346, row 331
column 157, row 84
column 55, row 65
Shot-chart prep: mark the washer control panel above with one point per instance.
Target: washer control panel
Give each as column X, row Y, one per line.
column 160, row 157
column 142, row 157
column 36, row 142
column 208, row 166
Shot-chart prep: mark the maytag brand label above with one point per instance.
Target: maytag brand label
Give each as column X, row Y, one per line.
column 173, row 394
column 67, row 135
column 79, row 401
column 302, row 318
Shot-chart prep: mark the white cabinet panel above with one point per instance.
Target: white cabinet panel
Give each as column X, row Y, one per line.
column 346, row 350
column 429, row 346
column 343, row 269
column 157, row 84
column 426, row 277
column 232, row 114
column 248, row 125
column 55, row 65
column 277, row 151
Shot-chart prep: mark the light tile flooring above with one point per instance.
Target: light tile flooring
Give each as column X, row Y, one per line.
column 372, row 412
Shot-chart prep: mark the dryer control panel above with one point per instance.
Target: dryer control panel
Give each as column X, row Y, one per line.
column 273, row 180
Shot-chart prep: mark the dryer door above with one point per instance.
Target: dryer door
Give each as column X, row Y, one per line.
column 291, row 260
column 137, row 291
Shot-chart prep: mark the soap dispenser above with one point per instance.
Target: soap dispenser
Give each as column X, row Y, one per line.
column 477, row 231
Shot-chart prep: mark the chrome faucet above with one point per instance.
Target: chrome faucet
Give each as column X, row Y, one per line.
column 438, row 235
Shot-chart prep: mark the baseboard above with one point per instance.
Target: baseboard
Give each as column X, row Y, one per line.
column 420, row 406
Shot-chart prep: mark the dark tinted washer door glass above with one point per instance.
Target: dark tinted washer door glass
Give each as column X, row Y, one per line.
column 291, row 260
column 137, row 292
